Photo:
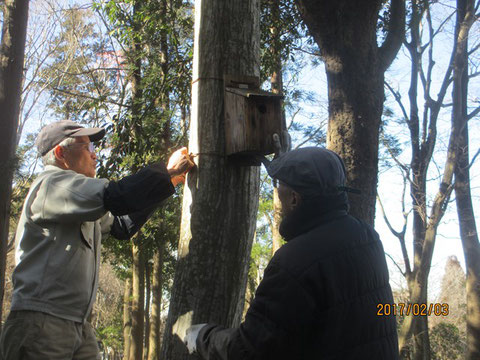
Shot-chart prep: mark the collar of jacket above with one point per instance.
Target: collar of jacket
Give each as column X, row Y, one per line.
column 309, row 216
column 54, row 168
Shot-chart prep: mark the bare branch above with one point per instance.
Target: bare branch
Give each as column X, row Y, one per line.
column 79, row 95
column 293, row 118
column 312, row 135
column 385, row 218
column 472, row 75
column 398, row 99
column 394, row 263
column 396, row 34
column 472, row 50
column 473, row 113
column 399, row 235
column 307, row 52
column 474, row 158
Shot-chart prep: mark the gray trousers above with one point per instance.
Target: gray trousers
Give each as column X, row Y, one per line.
column 29, row 335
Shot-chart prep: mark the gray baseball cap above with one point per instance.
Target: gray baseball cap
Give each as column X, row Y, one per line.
column 54, row 133
column 310, row 171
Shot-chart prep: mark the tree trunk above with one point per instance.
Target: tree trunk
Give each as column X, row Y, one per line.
column 147, row 309
column 346, row 32
column 276, row 82
column 138, row 265
column 154, row 341
column 12, row 53
column 466, row 216
column 127, row 318
column 277, row 219
column 425, row 232
column 471, row 247
column 420, row 159
column 221, row 198
column 138, row 301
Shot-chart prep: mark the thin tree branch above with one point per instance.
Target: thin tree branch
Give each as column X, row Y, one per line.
column 89, row 97
column 387, row 221
column 474, row 158
column 475, row 48
column 395, row 263
column 473, row 113
column 398, row 99
column 309, row 138
column 399, row 235
column 472, row 75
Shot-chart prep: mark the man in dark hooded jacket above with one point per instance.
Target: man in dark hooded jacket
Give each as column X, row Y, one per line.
column 320, row 293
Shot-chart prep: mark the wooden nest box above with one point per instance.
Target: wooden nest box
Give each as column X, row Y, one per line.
column 252, row 116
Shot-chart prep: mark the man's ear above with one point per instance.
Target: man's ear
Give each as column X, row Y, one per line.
column 296, row 199
column 59, row 153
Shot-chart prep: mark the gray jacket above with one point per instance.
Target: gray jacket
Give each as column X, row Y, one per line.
column 58, row 242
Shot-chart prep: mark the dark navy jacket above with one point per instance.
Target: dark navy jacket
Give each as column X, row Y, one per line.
column 318, row 299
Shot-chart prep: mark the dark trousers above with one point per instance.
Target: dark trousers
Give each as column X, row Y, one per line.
column 29, row 335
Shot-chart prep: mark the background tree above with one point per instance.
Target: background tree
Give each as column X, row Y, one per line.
column 448, row 333
column 466, row 10
column 446, row 342
column 453, row 293
column 154, row 36
column 81, row 87
column 423, row 128
column 346, row 33
column 12, row 52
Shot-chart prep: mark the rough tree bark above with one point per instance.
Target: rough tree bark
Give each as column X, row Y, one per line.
column 346, row 33
column 221, row 198
column 276, row 81
column 12, row 53
column 154, row 342
column 466, row 216
column 127, row 317
column 138, row 301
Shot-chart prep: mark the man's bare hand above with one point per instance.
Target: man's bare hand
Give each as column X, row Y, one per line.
column 180, row 163
column 282, row 144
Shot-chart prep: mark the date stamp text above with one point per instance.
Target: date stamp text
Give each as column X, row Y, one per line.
column 406, row 309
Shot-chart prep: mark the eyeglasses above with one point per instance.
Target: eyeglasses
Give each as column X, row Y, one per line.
column 90, row 146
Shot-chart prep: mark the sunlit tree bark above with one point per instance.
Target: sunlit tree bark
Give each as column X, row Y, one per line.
column 346, row 33
column 220, row 198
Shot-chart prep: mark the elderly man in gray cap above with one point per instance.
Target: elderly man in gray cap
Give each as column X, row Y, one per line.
column 58, row 241
column 320, row 293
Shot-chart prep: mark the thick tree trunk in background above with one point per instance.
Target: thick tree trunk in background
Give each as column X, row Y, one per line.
column 346, row 33
column 466, row 216
column 127, row 317
column 12, row 53
column 154, row 341
column 221, row 198
column 138, row 301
